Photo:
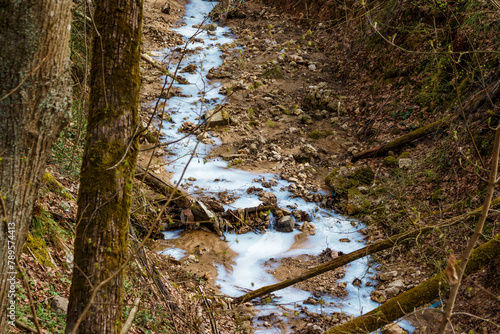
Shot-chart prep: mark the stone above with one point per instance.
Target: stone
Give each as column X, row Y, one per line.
column 343, row 178
column 285, row 224
column 356, row 201
column 305, row 119
column 386, row 276
column 190, row 68
column 378, row 296
column 166, row 8
column 405, row 163
column 391, row 292
column 312, row 67
column 216, row 117
column 268, row 198
column 308, row 227
column 59, row 305
column 392, row 329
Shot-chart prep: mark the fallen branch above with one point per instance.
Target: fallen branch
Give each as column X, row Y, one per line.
column 176, row 77
column 131, row 317
column 424, row 293
column 365, row 251
column 163, row 187
column 403, row 140
column 230, row 213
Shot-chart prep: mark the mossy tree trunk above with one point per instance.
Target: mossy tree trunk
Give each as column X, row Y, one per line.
column 101, row 244
column 35, row 104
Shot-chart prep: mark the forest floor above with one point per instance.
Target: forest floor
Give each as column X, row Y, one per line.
column 295, row 112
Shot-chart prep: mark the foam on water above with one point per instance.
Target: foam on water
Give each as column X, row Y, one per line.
column 254, row 249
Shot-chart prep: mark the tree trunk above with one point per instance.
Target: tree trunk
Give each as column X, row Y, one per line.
column 101, row 243
column 35, row 104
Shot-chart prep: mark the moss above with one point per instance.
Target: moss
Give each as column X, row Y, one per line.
column 404, row 155
column 356, row 201
column 343, row 178
column 317, row 134
column 39, row 248
column 391, row 161
column 56, row 187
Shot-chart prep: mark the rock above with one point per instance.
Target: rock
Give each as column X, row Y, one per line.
column 187, row 127
column 397, row 284
column 285, row 224
column 190, row 68
column 309, row 149
column 391, row 292
column 405, row 163
column 59, row 305
column 356, row 282
column 345, row 240
column 344, row 178
column 387, row 276
column 268, row 198
column 274, row 73
column 356, row 201
column 378, row 296
column 312, row 67
column 310, row 301
column 305, row 119
column 308, row 227
column 166, row 8
column 192, row 259
column 392, row 329
column 216, row 117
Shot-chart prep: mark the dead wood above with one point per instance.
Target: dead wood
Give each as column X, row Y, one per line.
column 228, row 214
column 403, row 140
column 176, row 77
column 365, row 251
column 164, row 187
column 424, row 293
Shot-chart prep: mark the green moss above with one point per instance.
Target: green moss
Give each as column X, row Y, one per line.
column 317, row 134
column 39, row 248
column 391, row 161
column 356, row 201
column 343, row 178
column 404, row 155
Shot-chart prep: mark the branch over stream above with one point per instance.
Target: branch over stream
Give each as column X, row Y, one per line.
column 424, row 293
column 365, row 251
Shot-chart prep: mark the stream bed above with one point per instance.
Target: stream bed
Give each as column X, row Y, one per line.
column 210, row 177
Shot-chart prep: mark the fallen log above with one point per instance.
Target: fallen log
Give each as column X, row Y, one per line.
column 424, row 293
column 219, row 13
column 365, row 251
column 164, row 187
column 403, row 140
column 176, row 77
column 228, row 214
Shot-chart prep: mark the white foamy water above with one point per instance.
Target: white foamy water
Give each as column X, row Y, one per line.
column 254, row 250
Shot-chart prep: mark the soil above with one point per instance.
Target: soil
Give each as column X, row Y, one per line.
column 277, row 127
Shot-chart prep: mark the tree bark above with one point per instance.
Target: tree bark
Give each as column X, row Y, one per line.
column 101, row 243
column 35, row 104
column 424, row 293
column 403, row 140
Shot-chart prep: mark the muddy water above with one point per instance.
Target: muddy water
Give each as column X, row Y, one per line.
column 254, row 250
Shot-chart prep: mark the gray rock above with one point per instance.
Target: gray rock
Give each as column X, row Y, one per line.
column 386, row 276
column 59, row 305
column 305, row 119
column 216, row 117
column 405, row 163
column 285, row 224
column 166, row 8
column 268, row 198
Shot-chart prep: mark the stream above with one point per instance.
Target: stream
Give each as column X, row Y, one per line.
column 248, row 272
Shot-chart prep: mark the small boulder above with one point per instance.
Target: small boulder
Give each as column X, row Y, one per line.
column 285, row 224
column 59, row 305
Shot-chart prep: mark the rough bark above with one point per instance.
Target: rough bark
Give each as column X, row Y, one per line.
column 165, row 188
column 35, row 104
column 424, row 293
column 403, row 140
column 110, row 154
